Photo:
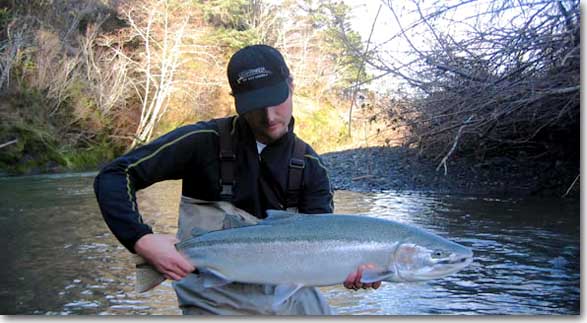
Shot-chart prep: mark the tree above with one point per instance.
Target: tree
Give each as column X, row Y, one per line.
column 160, row 26
column 489, row 78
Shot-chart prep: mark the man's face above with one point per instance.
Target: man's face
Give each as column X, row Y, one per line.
column 271, row 123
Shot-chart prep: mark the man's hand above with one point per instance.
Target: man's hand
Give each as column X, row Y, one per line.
column 353, row 281
column 159, row 250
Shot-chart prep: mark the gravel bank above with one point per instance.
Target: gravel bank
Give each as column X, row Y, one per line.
column 378, row 169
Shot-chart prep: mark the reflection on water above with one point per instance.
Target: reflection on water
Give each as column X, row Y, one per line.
column 60, row 258
column 526, row 255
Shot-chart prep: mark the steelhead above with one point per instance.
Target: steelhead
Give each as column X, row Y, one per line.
column 293, row 250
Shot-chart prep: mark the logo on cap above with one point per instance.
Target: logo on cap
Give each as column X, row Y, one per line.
column 253, row 74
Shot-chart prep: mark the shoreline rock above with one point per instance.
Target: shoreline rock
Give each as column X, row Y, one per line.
column 377, row 169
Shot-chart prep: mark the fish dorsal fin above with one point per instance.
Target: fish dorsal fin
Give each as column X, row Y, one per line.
column 280, row 216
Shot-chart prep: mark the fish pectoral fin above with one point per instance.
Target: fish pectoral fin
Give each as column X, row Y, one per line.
column 374, row 275
column 279, row 216
column 212, row 278
column 283, row 292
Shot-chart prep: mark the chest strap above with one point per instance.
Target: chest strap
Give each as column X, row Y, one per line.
column 228, row 165
column 295, row 174
column 227, row 159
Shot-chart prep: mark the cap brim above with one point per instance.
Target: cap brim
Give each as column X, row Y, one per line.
column 261, row 98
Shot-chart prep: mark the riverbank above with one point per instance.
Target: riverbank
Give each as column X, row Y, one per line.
column 377, row 169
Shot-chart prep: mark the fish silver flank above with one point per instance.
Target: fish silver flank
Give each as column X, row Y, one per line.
column 293, row 250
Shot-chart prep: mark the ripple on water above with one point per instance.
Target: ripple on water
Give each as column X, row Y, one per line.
column 526, row 253
column 82, row 304
column 131, row 308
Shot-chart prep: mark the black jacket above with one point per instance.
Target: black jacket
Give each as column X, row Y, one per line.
column 191, row 153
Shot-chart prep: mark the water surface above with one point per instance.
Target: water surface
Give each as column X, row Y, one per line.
column 60, row 258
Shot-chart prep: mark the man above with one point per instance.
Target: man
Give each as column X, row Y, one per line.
column 248, row 161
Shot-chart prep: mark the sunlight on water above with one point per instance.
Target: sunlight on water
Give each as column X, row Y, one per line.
column 61, row 259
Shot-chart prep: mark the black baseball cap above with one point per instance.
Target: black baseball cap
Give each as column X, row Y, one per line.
column 258, row 78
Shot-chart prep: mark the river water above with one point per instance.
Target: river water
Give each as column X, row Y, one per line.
column 59, row 258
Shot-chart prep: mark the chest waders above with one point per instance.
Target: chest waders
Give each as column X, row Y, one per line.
column 239, row 298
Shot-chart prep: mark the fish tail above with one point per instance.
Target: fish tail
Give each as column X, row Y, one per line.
column 147, row 277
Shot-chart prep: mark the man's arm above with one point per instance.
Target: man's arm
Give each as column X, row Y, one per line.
column 116, row 186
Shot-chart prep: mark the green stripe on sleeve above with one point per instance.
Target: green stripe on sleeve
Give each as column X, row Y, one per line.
column 128, row 188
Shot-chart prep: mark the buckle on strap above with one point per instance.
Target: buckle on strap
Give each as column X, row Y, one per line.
column 226, row 191
column 227, row 156
column 297, row 163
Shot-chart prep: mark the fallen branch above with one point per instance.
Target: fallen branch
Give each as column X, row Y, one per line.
column 570, row 187
column 8, row 143
column 454, row 146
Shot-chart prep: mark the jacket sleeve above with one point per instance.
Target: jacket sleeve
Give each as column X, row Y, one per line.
column 116, row 184
column 317, row 195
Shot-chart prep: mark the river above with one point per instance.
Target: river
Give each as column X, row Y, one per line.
column 59, row 258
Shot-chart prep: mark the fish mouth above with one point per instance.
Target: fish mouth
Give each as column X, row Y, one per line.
column 445, row 267
column 458, row 263
column 456, row 259
column 438, row 268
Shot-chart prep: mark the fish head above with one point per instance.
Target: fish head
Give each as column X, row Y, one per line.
column 428, row 257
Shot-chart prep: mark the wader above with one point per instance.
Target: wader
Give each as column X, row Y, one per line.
column 238, row 298
column 234, row 298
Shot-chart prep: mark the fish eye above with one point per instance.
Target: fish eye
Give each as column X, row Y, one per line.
column 438, row 254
